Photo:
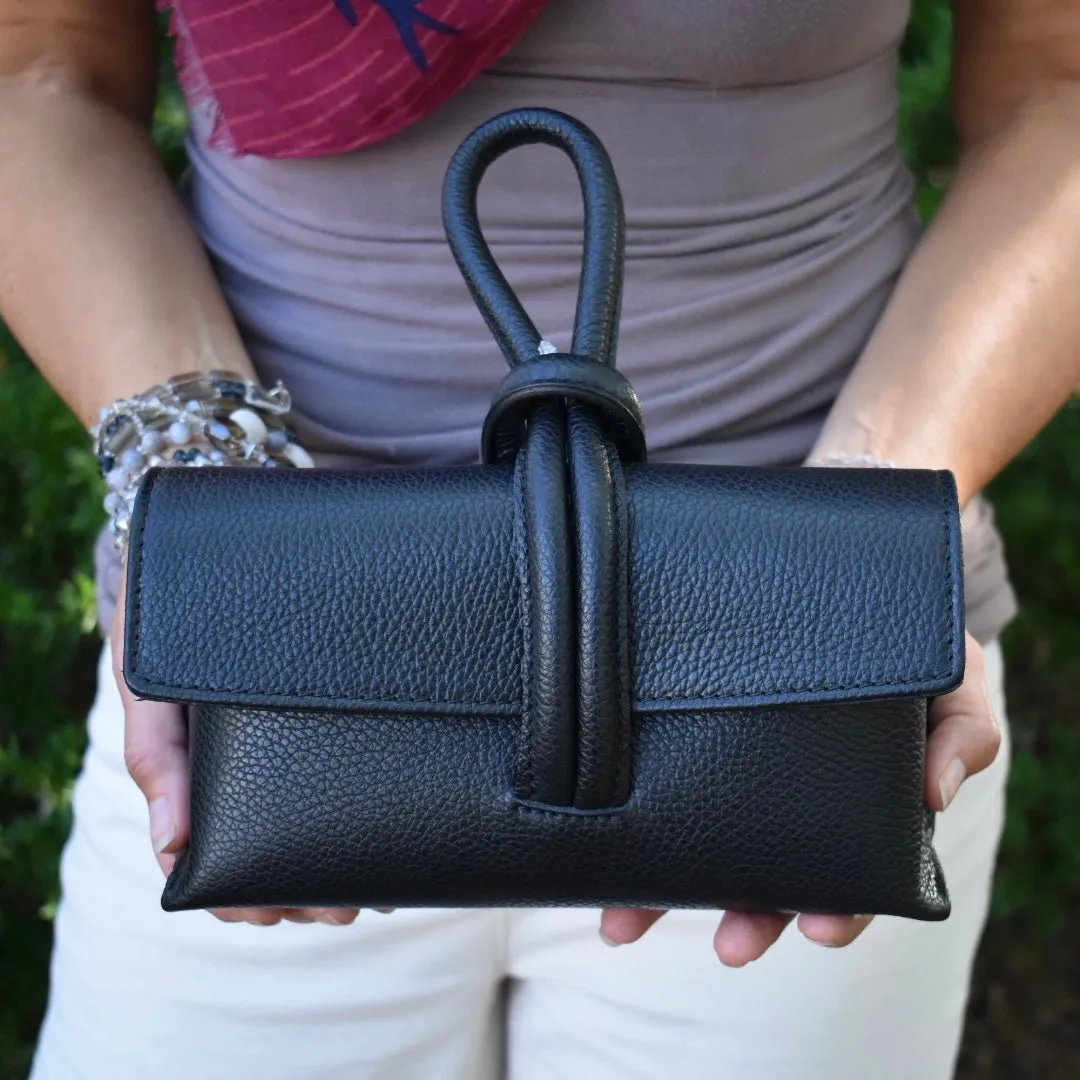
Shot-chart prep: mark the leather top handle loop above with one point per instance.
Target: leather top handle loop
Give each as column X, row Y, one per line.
column 566, row 420
column 599, row 294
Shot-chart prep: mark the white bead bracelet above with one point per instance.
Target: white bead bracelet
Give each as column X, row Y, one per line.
column 207, row 418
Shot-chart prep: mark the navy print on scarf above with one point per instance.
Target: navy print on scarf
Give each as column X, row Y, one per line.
column 407, row 17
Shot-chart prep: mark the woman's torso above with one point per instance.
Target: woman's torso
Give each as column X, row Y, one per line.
column 768, row 215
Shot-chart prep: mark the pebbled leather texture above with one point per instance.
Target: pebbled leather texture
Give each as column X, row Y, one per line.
column 811, row 808
column 397, row 591
column 564, row 676
column 359, row 648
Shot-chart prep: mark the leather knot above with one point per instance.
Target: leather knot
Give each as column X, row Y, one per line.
column 565, row 378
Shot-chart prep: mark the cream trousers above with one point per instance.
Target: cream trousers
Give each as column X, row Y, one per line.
column 475, row 995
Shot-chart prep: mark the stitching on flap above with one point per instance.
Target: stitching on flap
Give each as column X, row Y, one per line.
column 622, row 578
column 136, row 576
column 521, row 554
column 949, row 527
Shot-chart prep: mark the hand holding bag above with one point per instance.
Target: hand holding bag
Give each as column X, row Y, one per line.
column 564, row 676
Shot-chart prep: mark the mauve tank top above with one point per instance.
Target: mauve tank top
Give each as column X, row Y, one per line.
column 768, row 215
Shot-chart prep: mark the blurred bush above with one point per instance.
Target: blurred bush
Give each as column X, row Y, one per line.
column 49, row 513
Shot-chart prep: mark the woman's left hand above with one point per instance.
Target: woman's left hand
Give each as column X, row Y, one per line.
column 964, row 740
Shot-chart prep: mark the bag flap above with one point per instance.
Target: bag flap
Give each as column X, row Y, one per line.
column 400, row 591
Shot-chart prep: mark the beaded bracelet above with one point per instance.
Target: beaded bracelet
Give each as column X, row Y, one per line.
column 206, row 418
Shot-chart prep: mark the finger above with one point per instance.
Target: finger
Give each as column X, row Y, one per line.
column 965, row 735
column 227, row 915
column 743, row 936
column 331, row 916
column 254, row 916
column 273, row 916
column 833, row 931
column 620, row 926
column 265, row 917
column 166, row 860
column 298, row 915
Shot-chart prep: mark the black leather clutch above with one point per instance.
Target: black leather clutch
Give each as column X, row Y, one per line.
column 563, row 676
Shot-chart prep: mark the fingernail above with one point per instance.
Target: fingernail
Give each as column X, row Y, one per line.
column 162, row 827
column 609, row 940
column 950, row 781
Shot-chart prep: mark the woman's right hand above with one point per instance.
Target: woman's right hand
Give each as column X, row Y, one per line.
column 155, row 751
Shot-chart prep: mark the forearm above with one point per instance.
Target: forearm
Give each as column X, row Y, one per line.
column 102, row 278
column 980, row 343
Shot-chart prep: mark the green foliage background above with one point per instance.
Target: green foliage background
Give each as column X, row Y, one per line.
column 49, row 514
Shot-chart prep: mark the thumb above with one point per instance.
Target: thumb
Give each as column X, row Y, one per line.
column 155, row 753
column 620, row 926
column 965, row 735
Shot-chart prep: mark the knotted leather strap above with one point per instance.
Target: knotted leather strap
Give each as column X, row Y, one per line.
column 569, row 419
column 572, row 378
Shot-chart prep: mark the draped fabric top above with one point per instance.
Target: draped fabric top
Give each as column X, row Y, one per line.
column 768, row 215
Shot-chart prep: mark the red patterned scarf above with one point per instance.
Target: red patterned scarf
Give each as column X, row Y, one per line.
column 304, row 78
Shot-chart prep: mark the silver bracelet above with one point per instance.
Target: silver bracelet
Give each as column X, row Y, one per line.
column 205, row 418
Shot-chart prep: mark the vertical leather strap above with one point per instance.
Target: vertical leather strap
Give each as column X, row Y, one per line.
column 600, row 544
column 563, row 417
column 547, row 773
